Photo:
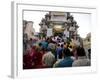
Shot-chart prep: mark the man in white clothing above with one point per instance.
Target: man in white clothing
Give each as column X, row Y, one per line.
column 82, row 60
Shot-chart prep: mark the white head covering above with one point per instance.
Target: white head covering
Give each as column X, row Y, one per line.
column 48, row 59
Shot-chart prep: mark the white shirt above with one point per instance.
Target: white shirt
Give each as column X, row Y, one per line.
column 81, row 61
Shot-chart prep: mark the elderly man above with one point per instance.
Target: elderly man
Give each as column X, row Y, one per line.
column 48, row 59
column 82, row 60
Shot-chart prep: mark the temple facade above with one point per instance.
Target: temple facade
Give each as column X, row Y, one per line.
column 60, row 22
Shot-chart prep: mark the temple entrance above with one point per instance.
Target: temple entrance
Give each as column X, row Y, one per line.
column 58, row 30
column 58, row 34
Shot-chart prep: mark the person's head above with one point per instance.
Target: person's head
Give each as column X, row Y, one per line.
column 58, row 45
column 40, row 44
column 62, row 45
column 66, row 52
column 81, row 51
column 48, row 59
column 58, row 39
column 70, row 46
column 65, row 45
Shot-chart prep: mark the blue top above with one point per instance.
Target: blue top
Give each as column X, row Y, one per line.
column 58, row 54
column 59, row 51
column 44, row 44
column 67, row 62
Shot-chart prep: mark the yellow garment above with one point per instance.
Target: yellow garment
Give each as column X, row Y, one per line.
column 72, row 44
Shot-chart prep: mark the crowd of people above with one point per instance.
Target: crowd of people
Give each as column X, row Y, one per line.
column 54, row 52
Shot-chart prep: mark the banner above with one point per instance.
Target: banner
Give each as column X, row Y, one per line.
column 49, row 32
